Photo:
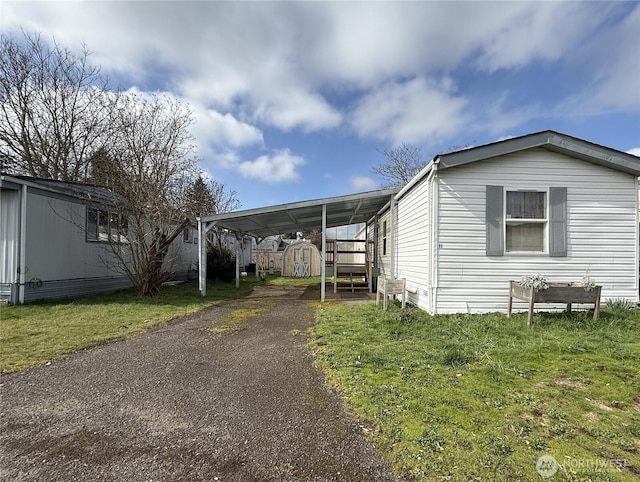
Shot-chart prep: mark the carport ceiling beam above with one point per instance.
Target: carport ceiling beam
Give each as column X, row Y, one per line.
column 355, row 211
column 294, row 220
column 261, row 226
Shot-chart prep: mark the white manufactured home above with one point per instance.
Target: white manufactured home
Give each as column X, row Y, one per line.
column 55, row 240
column 545, row 203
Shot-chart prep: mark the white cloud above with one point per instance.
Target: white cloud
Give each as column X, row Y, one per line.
column 274, row 62
column 369, row 43
column 280, row 167
column 537, row 31
column 635, row 151
column 251, row 66
column 224, row 129
column 413, row 112
column 612, row 70
column 225, row 158
column 297, row 109
column 363, row 183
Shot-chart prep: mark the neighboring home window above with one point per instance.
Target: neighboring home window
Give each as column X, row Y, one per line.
column 384, row 238
column 526, row 221
column 104, row 226
column 187, row 235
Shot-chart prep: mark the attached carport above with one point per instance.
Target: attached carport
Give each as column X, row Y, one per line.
column 318, row 214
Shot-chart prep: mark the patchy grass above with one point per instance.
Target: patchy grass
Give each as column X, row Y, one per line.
column 282, row 281
column 483, row 397
column 36, row 333
column 234, row 320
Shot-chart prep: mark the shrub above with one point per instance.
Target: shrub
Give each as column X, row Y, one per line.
column 619, row 305
column 221, row 264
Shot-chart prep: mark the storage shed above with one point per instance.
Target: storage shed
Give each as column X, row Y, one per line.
column 547, row 203
column 301, row 259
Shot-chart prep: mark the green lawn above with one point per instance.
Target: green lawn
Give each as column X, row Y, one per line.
column 36, row 333
column 445, row 398
column 483, row 397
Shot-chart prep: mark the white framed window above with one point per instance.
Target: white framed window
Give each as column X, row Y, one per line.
column 104, row 226
column 384, row 238
column 526, row 221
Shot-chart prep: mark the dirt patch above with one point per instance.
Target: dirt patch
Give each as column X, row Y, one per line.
column 182, row 403
column 602, row 405
column 591, row 417
column 565, row 382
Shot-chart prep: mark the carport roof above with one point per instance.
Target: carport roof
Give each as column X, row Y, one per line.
column 303, row 215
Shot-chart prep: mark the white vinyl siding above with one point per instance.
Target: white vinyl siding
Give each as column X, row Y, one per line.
column 601, row 230
column 413, row 250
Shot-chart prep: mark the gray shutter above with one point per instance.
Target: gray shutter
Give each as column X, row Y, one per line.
column 494, row 221
column 558, row 221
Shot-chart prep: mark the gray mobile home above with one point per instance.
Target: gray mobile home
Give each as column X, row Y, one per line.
column 56, row 240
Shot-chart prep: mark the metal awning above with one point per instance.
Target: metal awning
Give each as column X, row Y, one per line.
column 304, row 215
column 318, row 214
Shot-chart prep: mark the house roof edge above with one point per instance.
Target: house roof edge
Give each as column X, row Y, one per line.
column 554, row 141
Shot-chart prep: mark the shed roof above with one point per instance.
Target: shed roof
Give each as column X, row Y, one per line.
column 304, row 215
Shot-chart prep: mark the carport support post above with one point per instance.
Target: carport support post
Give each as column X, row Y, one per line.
column 323, row 265
column 202, row 255
column 237, row 261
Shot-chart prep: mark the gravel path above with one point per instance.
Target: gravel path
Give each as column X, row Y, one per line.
column 182, row 403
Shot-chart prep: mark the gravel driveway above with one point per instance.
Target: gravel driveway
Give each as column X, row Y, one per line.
column 182, row 403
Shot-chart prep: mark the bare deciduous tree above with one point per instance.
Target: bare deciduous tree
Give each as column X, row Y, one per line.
column 53, row 108
column 403, row 163
column 153, row 171
column 59, row 120
column 224, row 201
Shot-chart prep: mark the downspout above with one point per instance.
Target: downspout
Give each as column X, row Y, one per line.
column 432, row 274
column 22, row 245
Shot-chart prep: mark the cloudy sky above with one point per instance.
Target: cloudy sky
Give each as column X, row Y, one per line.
column 295, row 100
